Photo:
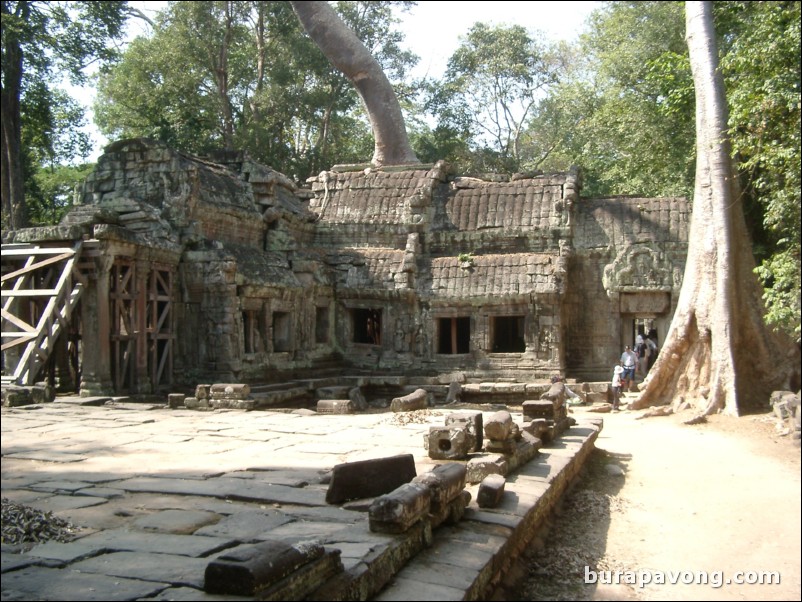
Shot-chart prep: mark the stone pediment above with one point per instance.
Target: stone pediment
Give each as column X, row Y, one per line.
column 640, row 267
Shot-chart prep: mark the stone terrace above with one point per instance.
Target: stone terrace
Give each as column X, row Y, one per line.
column 160, row 494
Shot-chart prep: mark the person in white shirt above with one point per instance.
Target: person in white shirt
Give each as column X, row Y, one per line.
column 629, row 360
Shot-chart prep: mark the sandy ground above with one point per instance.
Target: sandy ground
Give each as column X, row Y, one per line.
column 716, row 502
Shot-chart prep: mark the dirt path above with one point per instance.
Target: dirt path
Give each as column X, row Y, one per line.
column 711, row 500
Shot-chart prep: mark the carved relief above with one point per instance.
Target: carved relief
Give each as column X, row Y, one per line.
column 639, row 267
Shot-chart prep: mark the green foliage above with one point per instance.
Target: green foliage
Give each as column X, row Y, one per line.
column 52, row 191
column 492, row 85
column 276, row 96
column 761, row 62
column 624, row 110
column 43, row 43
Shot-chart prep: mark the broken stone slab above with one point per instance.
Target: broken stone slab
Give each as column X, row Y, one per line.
column 249, row 570
column 479, row 468
column 453, row 442
column 400, row 509
column 445, row 481
column 203, row 391
column 335, row 406
column 417, row 400
column 369, row 478
column 491, row 490
column 230, row 391
column 473, row 422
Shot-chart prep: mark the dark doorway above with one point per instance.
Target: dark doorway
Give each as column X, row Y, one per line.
column 508, row 334
column 454, row 335
column 367, row 326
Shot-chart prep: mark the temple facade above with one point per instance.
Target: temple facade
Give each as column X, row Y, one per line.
column 186, row 270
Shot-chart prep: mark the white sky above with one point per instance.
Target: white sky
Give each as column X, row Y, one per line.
column 433, row 29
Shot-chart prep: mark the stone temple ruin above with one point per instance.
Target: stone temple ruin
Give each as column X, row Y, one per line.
column 409, row 285
column 173, row 270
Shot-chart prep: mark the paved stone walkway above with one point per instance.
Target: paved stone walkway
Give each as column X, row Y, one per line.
column 160, row 493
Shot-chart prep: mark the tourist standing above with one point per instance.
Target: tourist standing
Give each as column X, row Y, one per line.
column 629, row 361
column 616, row 386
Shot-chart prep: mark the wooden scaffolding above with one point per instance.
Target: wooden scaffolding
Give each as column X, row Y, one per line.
column 41, row 287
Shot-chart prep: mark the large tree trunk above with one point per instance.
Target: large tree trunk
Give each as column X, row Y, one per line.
column 12, row 180
column 348, row 54
column 718, row 354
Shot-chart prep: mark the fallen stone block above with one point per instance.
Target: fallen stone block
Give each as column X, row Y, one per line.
column 230, row 391
column 42, row 392
column 454, row 392
column 453, row 512
column 417, row 400
column 473, row 422
column 499, row 426
column 335, row 406
column 445, row 481
column 491, row 490
column 357, row 398
column 501, row 447
column 479, row 468
column 175, row 400
column 449, row 442
column 203, row 391
column 398, row 510
column 536, row 427
column 232, row 404
column 247, row 570
column 524, row 452
column 538, row 409
column 14, row 396
column 369, row 478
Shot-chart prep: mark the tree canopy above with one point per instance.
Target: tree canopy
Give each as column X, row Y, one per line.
column 42, row 42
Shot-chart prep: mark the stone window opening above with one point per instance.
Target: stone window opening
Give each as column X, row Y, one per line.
column 367, row 326
column 321, row 325
column 281, row 331
column 507, row 334
column 251, row 330
column 454, row 335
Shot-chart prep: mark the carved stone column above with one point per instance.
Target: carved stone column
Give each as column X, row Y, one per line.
column 96, row 376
